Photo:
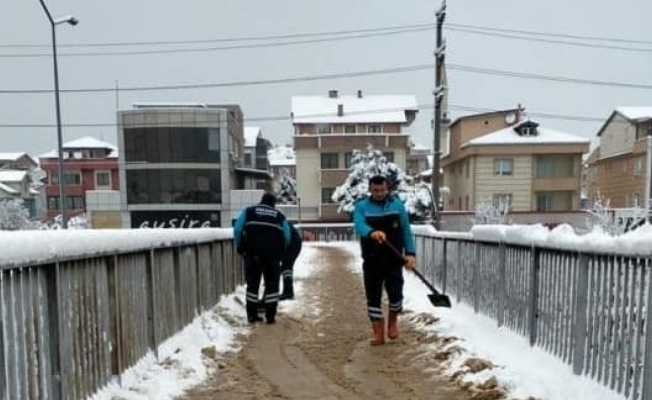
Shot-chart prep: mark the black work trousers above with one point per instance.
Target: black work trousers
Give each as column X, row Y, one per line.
column 376, row 274
column 257, row 267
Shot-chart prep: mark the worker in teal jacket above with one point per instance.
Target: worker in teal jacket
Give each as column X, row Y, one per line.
column 378, row 219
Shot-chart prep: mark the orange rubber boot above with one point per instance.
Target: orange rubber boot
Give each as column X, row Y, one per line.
column 379, row 332
column 392, row 325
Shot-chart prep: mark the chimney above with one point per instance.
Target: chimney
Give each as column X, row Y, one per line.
column 340, row 110
column 332, row 94
column 359, row 94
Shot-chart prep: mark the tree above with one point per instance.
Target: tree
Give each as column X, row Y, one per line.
column 287, row 189
column 14, row 215
column 489, row 213
column 364, row 165
column 616, row 221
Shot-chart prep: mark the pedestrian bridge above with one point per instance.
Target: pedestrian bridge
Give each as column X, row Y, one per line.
column 79, row 308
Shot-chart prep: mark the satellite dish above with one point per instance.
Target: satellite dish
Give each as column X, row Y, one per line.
column 510, row 118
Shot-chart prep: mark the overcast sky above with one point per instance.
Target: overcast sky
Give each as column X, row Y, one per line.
column 149, row 20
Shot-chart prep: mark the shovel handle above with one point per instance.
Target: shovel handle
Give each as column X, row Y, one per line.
column 416, row 271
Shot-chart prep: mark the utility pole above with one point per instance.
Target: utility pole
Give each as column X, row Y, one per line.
column 439, row 92
column 649, row 175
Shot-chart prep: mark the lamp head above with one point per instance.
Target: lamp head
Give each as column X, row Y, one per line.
column 72, row 21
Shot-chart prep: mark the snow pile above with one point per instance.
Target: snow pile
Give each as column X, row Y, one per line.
column 523, row 370
column 636, row 242
column 185, row 359
column 42, row 245
column 14, row 215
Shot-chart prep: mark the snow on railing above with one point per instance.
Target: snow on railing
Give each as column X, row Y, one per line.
column 584, row 298
column 77, row 308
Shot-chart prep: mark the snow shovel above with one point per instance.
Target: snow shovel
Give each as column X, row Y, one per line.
column 437, row 299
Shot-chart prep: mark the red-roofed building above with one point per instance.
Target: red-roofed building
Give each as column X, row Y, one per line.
column 89, row 164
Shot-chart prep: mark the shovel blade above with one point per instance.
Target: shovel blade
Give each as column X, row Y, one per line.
column 439, row 300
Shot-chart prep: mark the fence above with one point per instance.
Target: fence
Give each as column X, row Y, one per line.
column 68, row 326
column 589, row 309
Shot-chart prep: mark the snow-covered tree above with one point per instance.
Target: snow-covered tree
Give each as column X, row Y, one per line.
column 14, row 215
column 616, row 221
column 371, row 162
column 286, row 189
column 76, row 222
column 489, row 213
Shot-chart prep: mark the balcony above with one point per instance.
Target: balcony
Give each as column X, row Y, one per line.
column 351, row 140
column 571, row 183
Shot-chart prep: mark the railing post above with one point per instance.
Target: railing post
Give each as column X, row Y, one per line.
column 152, row 302
column 476, row 278
column 647, row 366
column 460, row 269
column 502, row 283
column 534, row 294
column 444, row 261
column 581, row 303
column 115, row 317
column 4, row 390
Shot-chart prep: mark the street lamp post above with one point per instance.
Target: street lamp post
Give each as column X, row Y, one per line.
column 53, row 23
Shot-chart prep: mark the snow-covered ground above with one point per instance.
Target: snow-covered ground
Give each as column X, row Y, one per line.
column 522, row 369
column 181, row 362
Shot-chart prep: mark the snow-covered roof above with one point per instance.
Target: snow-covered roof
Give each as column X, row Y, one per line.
column 11, row 156
column 508, row 136
column 251, row 134
column 7, row 189
column 281, row 156
column 10, row 175
column 375, row 108
column 636, row 113
column 86, row 142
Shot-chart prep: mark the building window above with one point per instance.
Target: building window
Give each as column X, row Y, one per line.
column 174, row 145
column 348, row 157
column 247, row 159
column 323, row 128
column 544, row 201
column 554, row 201
column 502, row 201
column 503, row 166
column 329, row 161
column 74, row 203
column 327, row 195
column 389, row 156
column 102, row 179
column 374, row 128
column 555, row 166
column 71, row 177
column 349, row 128
column 53, row 202
column 636, row 200
column 174, row 186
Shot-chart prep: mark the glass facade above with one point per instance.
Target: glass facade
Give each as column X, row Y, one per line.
column 174, row 186
column 172, row 145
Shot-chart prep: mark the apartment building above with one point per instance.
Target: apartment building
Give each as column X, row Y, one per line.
column 504, row 158
column 178, row 164
column 326, row 131
column 88, row 164
column 20, row 178
column 619, row 166
column 255, row 158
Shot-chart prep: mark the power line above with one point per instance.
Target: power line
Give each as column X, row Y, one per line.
column 223, row 40
column 552, row 41
column 220, row 48
column 476, row 109
column 549, row 34
column 409, row 68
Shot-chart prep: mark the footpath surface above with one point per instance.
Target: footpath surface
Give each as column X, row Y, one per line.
column 320, row 350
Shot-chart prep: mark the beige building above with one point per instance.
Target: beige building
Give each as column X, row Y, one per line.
column 619, row 167
column 326, row 131
column 501, row 157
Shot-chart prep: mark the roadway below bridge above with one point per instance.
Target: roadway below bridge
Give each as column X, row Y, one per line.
column 320, row 350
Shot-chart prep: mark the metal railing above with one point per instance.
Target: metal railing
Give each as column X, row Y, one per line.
column 588, row 309
column 68, row 326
